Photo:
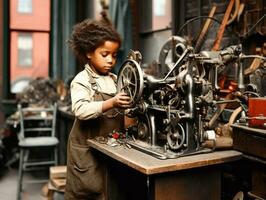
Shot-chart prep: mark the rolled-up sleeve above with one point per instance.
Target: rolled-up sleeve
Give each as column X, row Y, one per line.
column 83, row 105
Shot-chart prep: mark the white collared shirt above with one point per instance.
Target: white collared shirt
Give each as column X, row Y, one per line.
column 83, row 104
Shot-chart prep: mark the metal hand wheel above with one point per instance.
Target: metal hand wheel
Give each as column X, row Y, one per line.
column 176, row 137
column 171, row 51
column 130, row 80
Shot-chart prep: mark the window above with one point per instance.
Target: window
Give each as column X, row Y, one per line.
column 159, row 7
column 25, row 49
column 29, row 32
column 157, row 15
column 161, row 14
column 24, row 6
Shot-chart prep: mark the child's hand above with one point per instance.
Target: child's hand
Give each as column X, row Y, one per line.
column 121, row 100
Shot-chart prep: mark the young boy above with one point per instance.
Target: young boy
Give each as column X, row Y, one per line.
column 94, row 99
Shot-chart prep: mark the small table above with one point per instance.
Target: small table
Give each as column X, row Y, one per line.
column 136, row 175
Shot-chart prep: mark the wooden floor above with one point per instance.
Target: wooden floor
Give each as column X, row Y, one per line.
column 8, row 186
column 32, row 191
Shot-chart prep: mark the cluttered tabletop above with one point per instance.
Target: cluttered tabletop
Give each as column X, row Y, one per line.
column 149, row 165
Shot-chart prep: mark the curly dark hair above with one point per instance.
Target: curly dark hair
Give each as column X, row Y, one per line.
column 89, row 34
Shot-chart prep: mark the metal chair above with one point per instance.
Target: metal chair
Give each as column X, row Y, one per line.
column 37, row 135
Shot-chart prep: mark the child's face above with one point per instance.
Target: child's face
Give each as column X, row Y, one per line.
column 103, row 58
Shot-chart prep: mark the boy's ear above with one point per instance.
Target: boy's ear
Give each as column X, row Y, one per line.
column 88, row 55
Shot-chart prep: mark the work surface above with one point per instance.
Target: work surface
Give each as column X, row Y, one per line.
column 149, row 165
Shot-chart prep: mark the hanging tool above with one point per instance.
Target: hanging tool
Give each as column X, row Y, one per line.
column 220, row 33
column 204, row 30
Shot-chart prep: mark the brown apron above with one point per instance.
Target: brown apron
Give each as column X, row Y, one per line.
column 85, row 170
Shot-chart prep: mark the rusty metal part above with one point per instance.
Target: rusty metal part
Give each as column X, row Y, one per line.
column 253, row 196
column 135, row 55
column 130, row 78
column 221, row 107
column 239, row 196
column 240, row 11
column 264, row 49
column 205, row 29
column 220, row 33
column 171, row 45
column 233, row 117
column 226, row 128
column 253, row 67
column 235, row 14
column 256, row 63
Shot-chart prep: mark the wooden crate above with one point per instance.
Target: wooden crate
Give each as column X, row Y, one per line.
column 249, row 140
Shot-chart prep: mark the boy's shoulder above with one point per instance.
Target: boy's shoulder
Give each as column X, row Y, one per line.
column 81, row 77
column 84, row 78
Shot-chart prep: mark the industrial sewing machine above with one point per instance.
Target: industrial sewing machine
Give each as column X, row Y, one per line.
column 174, row 111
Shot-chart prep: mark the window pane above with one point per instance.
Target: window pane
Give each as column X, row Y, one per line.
column 25, row 50
column 159, row 7
column 29, row 58
column 161, row 14
column 24, row 6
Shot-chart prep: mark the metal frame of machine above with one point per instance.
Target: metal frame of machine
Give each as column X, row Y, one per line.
column 174, row 112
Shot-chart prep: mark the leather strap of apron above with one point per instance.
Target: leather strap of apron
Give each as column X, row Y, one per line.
column 95, row 86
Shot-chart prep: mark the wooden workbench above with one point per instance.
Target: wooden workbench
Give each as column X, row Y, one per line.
column 136, row 175
column 252, row 142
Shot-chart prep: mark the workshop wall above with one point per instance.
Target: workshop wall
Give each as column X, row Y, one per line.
column 154, row 28
column 1, row 59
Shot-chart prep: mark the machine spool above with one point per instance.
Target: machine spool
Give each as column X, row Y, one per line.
column 130, row 80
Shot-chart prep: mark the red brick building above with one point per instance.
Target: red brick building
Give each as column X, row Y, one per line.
column 29, row 41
